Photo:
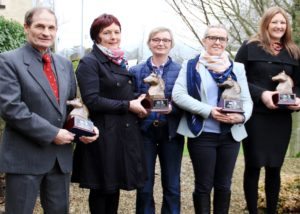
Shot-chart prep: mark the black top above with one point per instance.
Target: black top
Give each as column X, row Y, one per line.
column 116, row 160
column 261, row 67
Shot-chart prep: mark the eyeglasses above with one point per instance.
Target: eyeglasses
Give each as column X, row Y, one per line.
column 216, row 38
column 158, row 40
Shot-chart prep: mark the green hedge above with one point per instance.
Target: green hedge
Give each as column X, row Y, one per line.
column 11, row 34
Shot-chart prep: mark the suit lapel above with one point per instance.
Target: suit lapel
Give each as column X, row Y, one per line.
column 61, row 80
column 35, row 69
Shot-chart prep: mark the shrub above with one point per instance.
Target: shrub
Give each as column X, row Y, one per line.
column 75, row 64
column 11, row 34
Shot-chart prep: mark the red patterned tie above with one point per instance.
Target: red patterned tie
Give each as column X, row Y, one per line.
column 50, row 74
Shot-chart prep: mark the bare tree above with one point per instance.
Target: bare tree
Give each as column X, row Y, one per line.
column 240, row 17
column 296, row 20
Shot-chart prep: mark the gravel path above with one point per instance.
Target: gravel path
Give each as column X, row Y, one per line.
column 79, row 203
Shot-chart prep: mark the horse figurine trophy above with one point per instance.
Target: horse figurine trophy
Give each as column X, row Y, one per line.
column 285, row 88
column 155, row 100
column 77, row 121
column 230, row 98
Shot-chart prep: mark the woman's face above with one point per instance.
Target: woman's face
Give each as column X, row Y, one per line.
column 277, row 27
column 216, row 41
column 110, row 37
column 160, row 43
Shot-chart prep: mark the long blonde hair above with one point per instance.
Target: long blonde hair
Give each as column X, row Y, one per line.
column 263, row 37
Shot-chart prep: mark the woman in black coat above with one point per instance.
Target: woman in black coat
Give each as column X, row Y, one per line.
column 116, row 160
column 265, row 55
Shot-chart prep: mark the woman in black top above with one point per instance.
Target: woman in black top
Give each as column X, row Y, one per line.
column 116, row 160
column 265, row 55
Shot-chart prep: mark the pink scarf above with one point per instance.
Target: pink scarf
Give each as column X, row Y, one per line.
column 115, row 55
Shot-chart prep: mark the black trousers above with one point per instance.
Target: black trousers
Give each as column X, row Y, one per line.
column 22, row 191
column 213, row 158
column 104, row 203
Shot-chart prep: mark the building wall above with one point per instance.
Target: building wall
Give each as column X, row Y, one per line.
column 15, row 9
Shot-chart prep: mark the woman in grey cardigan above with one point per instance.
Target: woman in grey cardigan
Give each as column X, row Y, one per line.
column 213, row 135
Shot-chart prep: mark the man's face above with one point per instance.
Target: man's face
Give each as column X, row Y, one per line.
column 41, row 33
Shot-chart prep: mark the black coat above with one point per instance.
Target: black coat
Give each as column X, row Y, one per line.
column 116, row 160
column 268, row 130
column 261, row 67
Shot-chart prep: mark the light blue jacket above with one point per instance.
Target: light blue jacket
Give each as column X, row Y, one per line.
column 188, row 103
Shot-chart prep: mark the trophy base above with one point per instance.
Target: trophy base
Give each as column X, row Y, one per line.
column 231, row 106
column 282, row 99
column 156, row 104
column 80, row 126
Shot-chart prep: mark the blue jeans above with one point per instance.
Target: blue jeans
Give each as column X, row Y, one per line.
column 156, row 142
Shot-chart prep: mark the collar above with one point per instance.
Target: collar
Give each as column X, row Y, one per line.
column 36, row 52
column 152, row 66
column 160, row 66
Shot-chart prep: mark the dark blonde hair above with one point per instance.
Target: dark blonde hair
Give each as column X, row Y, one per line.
column 159, row 30
column 263, row 37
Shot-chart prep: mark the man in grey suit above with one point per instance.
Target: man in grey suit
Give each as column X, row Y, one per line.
column 36, row 152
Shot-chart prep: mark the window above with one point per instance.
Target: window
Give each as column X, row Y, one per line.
column 2, row 6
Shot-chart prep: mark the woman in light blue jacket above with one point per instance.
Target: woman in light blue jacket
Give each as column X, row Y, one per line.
column 213, row 135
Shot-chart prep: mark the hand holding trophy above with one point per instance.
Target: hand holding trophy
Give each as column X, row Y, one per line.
column 77, row 121
column 155, row 100
column 285, row 96
column 230, row 98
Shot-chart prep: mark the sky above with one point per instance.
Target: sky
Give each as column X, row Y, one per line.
column 137, row 18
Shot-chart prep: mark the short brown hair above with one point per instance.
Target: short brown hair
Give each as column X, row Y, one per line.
column 100, row 23
column 30, row 13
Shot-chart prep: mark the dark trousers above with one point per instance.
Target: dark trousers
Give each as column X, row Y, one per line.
column 272, row 188
column 22, row 191
column 213, row 157
column 103, row 203
column 157, row 143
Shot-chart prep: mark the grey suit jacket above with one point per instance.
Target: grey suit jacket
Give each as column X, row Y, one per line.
column 32, row 115
column 185, row 101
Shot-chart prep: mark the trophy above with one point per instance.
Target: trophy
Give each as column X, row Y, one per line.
column 155, row 100
column 230, row 98
column 285, row 96
column 77, row 121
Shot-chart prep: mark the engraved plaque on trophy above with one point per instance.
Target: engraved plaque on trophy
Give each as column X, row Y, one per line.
column 77, row 121
column 285, row 96
column 155, row 100
column 230, row 98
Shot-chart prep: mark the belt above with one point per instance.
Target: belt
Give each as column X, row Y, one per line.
column 157, row 123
